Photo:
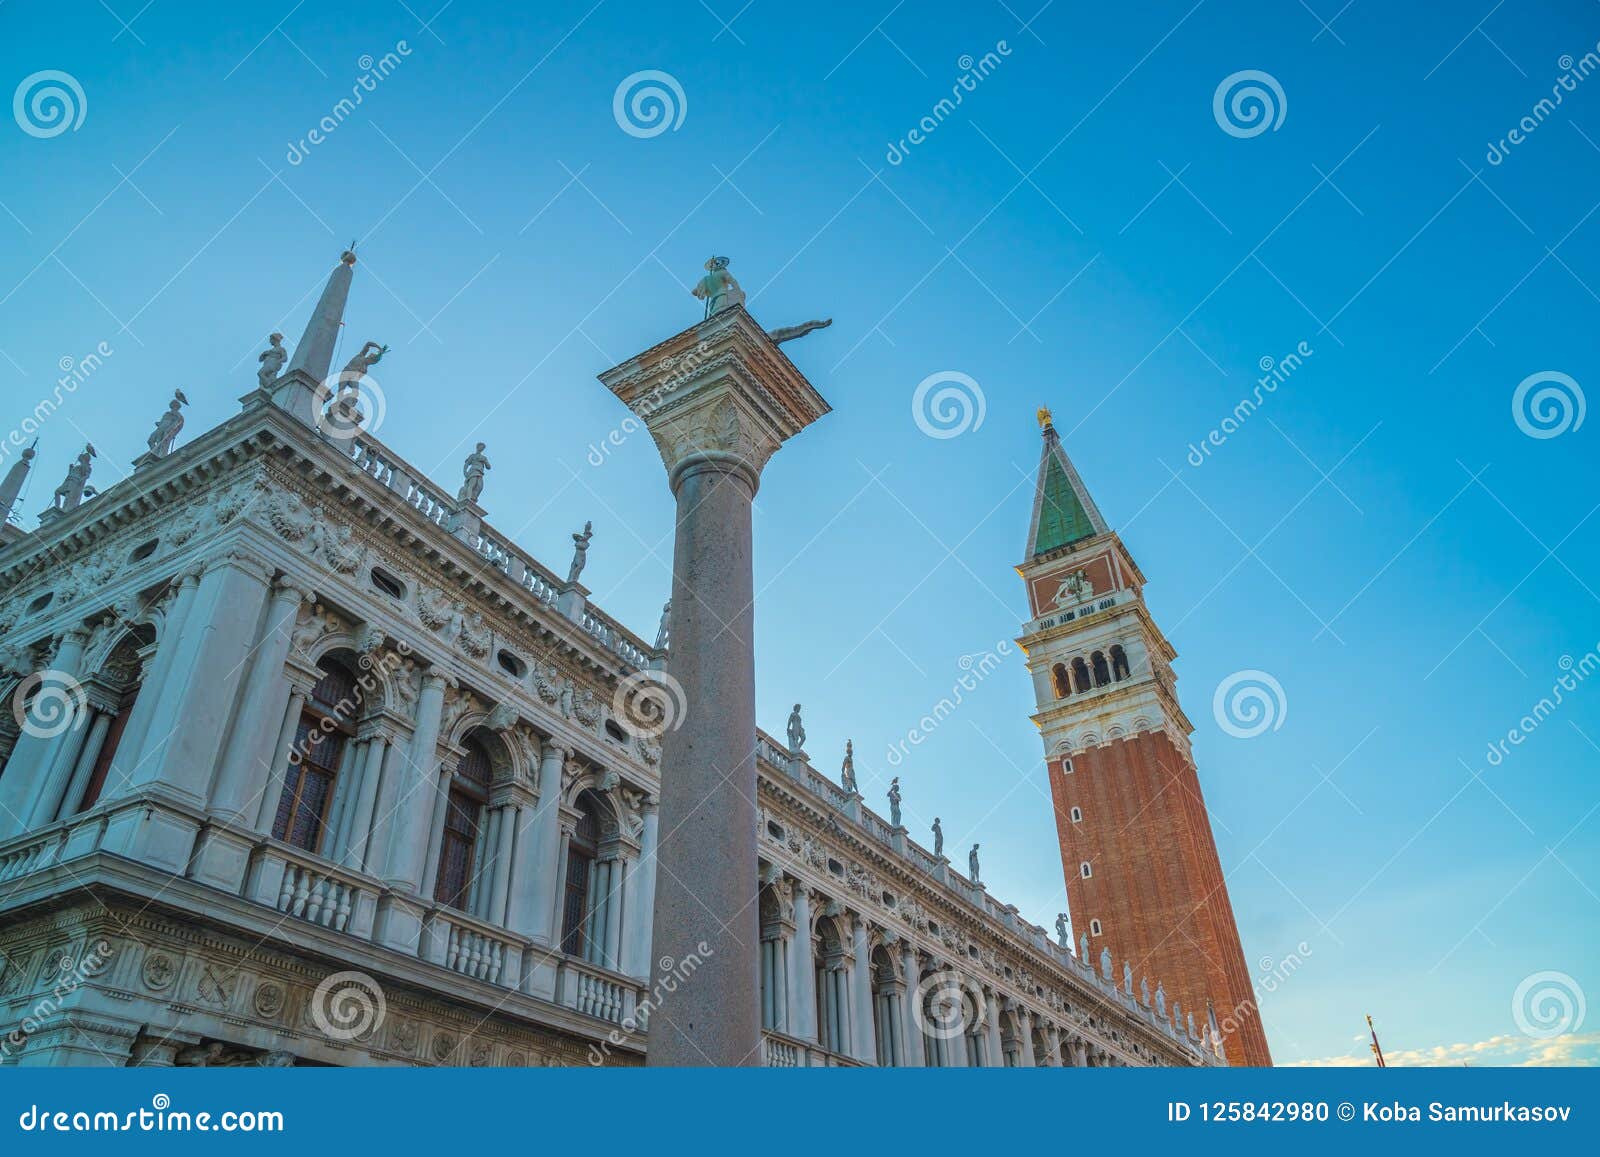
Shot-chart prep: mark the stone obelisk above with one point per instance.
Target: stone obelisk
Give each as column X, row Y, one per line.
column 719, row 399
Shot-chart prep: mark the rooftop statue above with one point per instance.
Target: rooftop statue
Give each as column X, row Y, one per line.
column 580, row 552
column 72, row 489
column 718, row 288
column 1064, row 930
column 972, row 863
column 271, row 359
column 797, row 731
column 938, row 837
column 356, row 368
column 894, row 801
column 167, row 426
column 664, row 632
column 472, row 471
column 847, row 773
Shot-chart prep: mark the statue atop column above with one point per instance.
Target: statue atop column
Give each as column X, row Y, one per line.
column 938, row 837
column 167, row 426
column 580, row 552
column 1063, row 930
column 894, row 802
column 76, row 484
column 472, row 471
column 847, row 773
column 718, row 288
column 664, row 632
column 797, row 731
column 271, row 359
column 972, row 864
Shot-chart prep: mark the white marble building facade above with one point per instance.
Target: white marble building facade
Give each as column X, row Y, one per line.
column 324, row 727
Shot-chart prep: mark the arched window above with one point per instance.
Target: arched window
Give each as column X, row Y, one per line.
column 1080, row 676
column 1094, row 928
column 1102, row 673
column 463, row 814
column 1058, row 677
column 326, row 726
column 1077, row 815
column 1119, row 662
column 120, row 677
column 1085, row 870
column 582, row 850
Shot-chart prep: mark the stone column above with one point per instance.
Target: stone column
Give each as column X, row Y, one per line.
column 399, row 923
column 155, row 677
column 268, row 810
column 42, row 745
column 1024, row 1038
column 802, row 970
column 863, row 1040
column 716, row 422
column 266, row 691
column 639, row 898
column 92, row 747
column 910, row 1015
column 992, row 1043
column 533, row 909
column 505, row 820
column 358, row 829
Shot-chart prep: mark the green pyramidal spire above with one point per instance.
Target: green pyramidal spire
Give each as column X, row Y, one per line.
column 1063, row 512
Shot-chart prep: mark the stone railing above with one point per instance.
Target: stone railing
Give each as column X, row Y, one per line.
column 30, row 855
column 380, row 463
column 469, row 946
column 310, row 888
column 782, row 1051
column 594, row 991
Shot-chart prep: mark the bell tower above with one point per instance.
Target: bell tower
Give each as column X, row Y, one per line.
column 1142, row 873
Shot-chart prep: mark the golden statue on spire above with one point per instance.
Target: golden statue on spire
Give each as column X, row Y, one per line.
column 1044, row 417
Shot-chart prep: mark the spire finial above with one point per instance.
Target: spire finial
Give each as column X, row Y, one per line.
column 1044, row 418
column 314, row 355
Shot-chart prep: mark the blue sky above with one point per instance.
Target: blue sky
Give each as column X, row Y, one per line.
column 1380, row 536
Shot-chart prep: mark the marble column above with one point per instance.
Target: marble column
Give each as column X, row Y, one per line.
column 639, row 898
column 78, row 752
column 1024, row 1038
column 911, row 1051
column 288, row 726
column 92, row 747
column 534, row 905
column 802, row 971
column 716, row 427
column 41, row 746
column 399, row 922
column 358, row 829
column 992, row 1043
column 863, row 1040
column 266, row 690
column 156, row 675
column 505, row 818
